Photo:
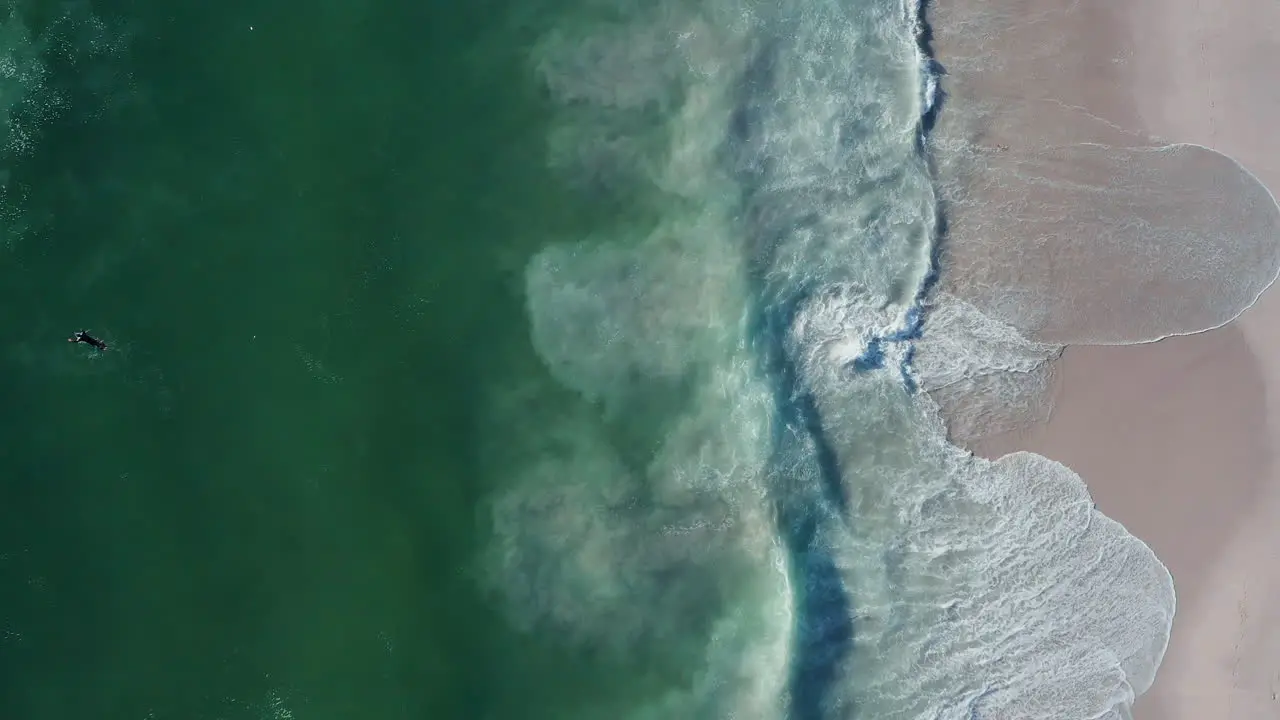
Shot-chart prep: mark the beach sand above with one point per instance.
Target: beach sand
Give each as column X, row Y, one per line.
column 1172, row 439
column 1179, row 439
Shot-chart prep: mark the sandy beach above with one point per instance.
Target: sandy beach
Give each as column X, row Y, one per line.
column 1181, row 457
column 1176, row 439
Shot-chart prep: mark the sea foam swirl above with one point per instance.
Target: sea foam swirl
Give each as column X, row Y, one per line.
column 729, row 472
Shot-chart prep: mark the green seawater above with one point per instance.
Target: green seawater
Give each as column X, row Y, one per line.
column 302, row 228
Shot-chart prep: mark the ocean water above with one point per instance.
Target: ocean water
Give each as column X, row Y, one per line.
column 300, row 227
column 516, row 360
column 730, row 473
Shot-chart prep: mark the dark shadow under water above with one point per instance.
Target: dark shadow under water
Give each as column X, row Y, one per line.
column 807, row 494
column 807, row 490
column 807, row 487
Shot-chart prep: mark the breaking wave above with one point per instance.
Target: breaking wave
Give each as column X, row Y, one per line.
column 734, row 477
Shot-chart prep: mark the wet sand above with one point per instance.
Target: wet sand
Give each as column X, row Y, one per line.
column 1203, row 75
column 1172, row 439
column 1178, row 439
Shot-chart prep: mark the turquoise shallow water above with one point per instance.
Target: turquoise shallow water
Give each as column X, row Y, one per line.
column 303, row 241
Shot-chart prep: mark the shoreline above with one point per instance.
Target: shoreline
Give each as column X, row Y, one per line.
column 1149, row 428
column 1175, row 436
column 1102, row 209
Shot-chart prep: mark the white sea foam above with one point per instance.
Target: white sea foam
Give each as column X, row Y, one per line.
column 22, row 82
column 727, row 370
column 23, row 76
column 984, row 374
column 28, row 100
column 982, row 589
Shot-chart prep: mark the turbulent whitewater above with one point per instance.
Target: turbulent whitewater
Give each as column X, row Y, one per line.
column 730, row 471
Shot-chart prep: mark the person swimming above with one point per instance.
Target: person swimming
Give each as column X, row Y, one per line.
column 82, row 336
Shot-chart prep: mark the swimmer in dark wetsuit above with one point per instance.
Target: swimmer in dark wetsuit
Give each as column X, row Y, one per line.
column 82, row 336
